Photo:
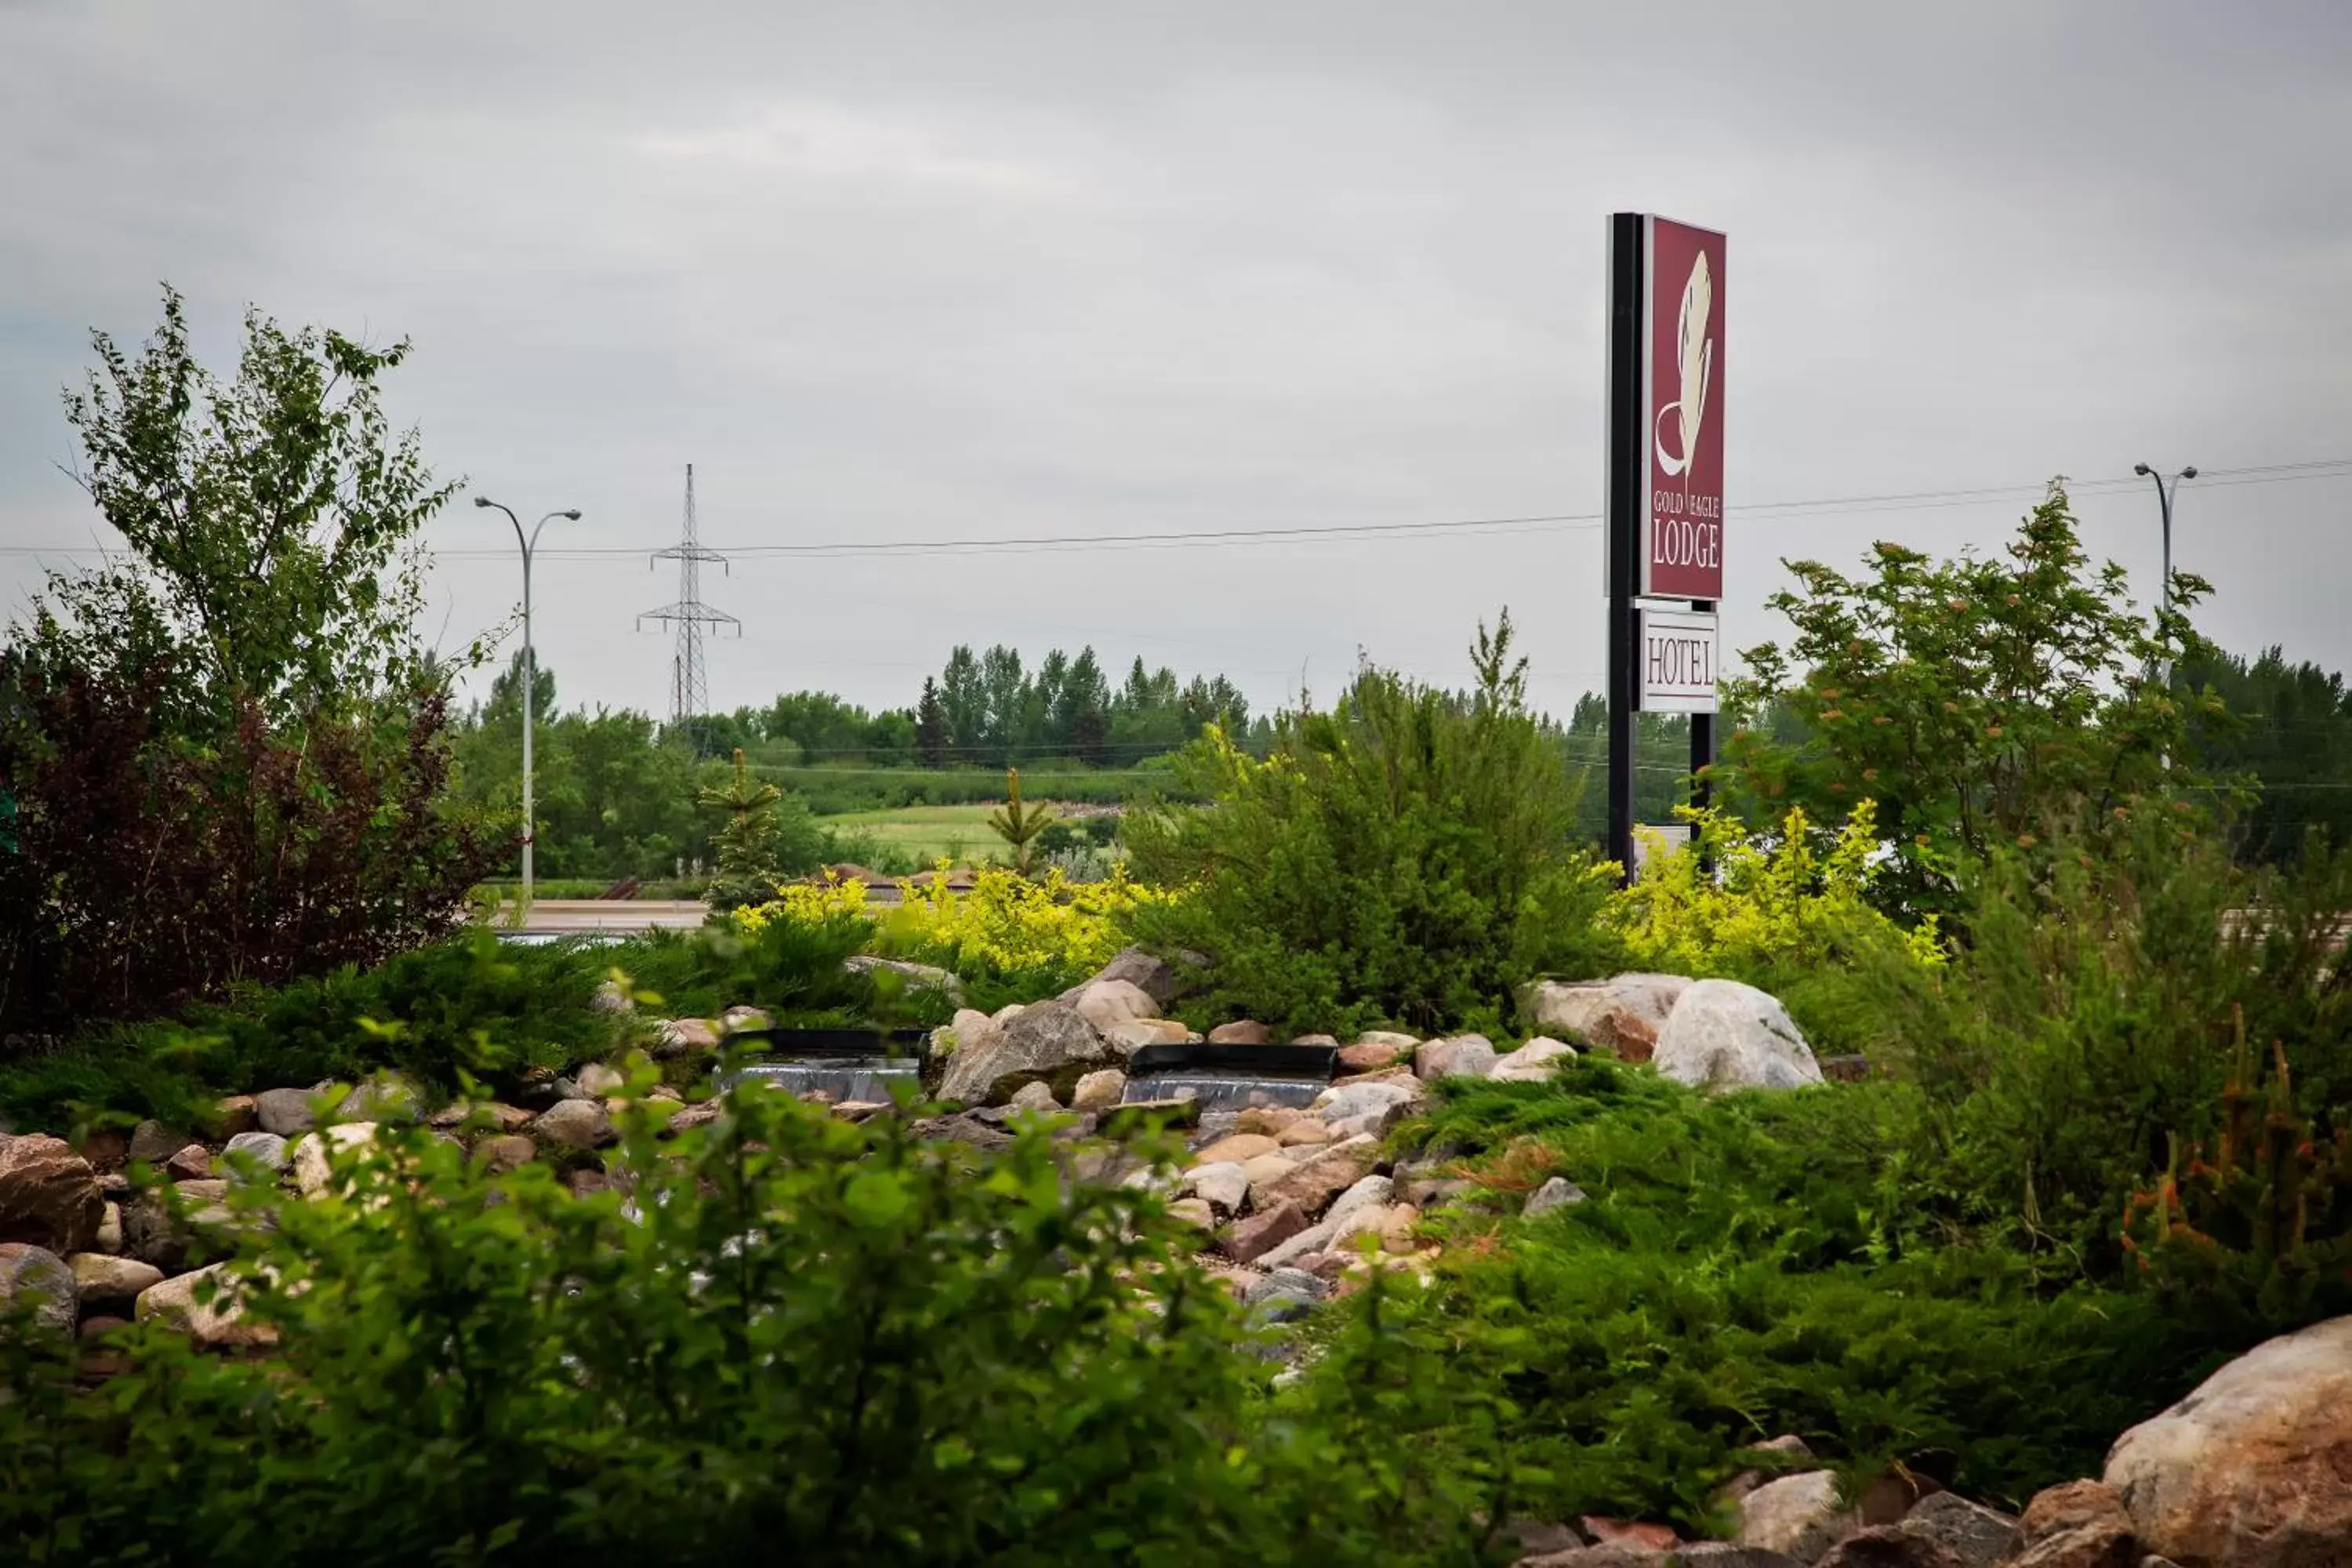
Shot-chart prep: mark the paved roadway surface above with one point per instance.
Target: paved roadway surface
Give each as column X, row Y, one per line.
column 557, row 915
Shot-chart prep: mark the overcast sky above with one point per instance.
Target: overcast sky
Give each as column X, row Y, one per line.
column 891, row 272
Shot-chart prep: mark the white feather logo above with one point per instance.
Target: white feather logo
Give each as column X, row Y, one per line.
column 1697, row 364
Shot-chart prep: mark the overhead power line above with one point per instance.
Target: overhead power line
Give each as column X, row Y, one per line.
column 1774, row 511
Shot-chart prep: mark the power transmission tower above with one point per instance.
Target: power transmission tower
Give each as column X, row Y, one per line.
column 690, row 690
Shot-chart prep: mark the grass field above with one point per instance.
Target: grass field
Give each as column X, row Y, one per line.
column 925, row 832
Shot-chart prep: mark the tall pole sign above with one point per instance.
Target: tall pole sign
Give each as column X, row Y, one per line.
column 1665, row 491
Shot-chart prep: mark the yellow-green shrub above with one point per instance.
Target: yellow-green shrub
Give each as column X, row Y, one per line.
column 1008, row 932
column 1768, row 904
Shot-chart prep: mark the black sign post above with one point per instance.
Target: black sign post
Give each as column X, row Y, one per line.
column 1628, row 448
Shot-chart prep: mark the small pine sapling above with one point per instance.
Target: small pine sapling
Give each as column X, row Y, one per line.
column 1019, row 825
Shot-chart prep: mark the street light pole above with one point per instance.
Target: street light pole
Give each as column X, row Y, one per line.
column 2165, row 495
column 530, row 543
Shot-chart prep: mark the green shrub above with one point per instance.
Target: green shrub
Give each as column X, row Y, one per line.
column 2092, row 1017
column 794, row 1339
column 1407, row 856
column 1754, row 1265
column 469, row 1004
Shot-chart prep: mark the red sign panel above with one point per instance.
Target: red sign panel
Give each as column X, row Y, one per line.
column 1682, row 382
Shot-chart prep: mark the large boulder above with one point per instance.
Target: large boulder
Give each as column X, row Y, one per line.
column 35, row 1280
column 2254, row 1467
column 1723, row 1034
column 1048, row 1042
column 50, row 1197
column 1621, row 1016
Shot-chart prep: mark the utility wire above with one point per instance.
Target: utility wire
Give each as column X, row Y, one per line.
column 2273, row 473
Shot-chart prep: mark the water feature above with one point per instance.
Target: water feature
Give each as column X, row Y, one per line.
column 1230, row 1077
column 842, row 1064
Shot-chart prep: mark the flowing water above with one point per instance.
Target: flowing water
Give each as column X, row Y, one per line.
column 840, row 1079
column 1225, row 1090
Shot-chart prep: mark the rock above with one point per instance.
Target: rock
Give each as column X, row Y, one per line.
column 1629, row 1532
column 151, row 1235
column 1241, row 1032
column 1846, row 1069
column 384, row 1097
column 575, row 1124
column 191, row 1164
column 506, row 1152
column 1098, row 1090
column 1305, row 1133
column 1557, row 1192
column 36, row 1279
column 611, row 996
column 1294, row 1282
column 313, row 1164
column 1320, row 1042
column 151, row 1143
column 267, row 1150
column 1224, row 1184
column 681, row 1036
column 1367, row 1194
column 100, row 1277
column 236, row 1114
column 1050, row 1041
column 966, row 1130
column 1266, row 1119
column 1262, row 1232
column 1195, row 1212
column 1621, row 1016
column 912, row 975
column 1976, row 1536
column 50, row 1197
column 109, row 1230
column 1365, row 1095
column 596, row 1080
column 2082, row 1524
column 1315, row 1181
column 219, row 1324
column 1366, row 1056
column 1397, row 1231
column 2254, row 1467
column 1128, row 1038
column 693, row 1116
column 1798, row 1514
column 1889, row 1546
column 738, row 1019
column 1007, row 1013
column 1236, row 1147
column 1107, row 1004
column 970, row 1029
column 1035, row 1097
column 1459, row 1056
column 1531, row 1063
column 1153, row 976
column 285, row 1111
column 1723, row 1034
